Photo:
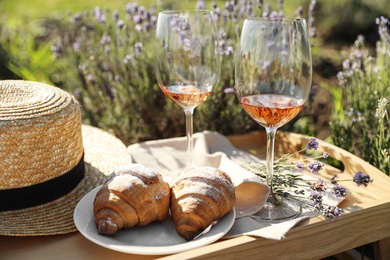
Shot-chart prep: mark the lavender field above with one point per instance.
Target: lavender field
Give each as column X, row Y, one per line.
column 103, row 54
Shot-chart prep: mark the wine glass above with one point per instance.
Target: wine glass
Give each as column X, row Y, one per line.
column 273, row 73
column 187, row 62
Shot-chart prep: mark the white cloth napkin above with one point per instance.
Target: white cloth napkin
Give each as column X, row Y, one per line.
column 168, row 156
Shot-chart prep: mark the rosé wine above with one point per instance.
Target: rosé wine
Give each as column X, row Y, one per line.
column 186, row 96
column 270, row 110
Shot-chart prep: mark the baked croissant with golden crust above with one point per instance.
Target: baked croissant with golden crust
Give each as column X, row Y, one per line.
column 133, row 195
column 199, row 198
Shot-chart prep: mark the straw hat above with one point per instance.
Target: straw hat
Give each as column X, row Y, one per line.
column 48, row 159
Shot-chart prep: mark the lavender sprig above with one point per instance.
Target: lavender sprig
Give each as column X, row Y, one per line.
column 289, row 183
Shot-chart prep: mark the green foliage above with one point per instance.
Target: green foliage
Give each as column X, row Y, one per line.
column 106, row 59
column 360, row 121
column 108, row 66
column 29, row 58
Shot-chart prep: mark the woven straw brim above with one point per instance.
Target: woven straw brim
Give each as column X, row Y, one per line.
column 103, row 154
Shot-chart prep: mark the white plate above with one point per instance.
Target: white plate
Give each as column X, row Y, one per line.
column 157, row 238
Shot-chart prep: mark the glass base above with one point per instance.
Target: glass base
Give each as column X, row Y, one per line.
column 287, row 209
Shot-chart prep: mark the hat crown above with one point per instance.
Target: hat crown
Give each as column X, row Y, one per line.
column 40, row 133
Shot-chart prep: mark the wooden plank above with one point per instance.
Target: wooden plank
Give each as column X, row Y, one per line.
column 69, row 246
column 317, row 240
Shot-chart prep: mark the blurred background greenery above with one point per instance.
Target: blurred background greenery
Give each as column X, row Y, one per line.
column 80, row 47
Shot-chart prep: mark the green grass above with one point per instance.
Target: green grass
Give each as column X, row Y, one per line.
column 18, row 11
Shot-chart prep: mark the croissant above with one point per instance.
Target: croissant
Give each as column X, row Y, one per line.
column 133, row 195
column 199, row 198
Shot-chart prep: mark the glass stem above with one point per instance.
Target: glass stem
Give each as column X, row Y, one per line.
column 189, row 131
column 270, row 159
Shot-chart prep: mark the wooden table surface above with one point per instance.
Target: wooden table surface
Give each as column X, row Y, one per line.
column 366, row 220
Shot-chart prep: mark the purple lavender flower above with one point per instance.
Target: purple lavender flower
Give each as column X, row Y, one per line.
column 106, row 39
column 360, row 40
column 90, row 79
column 224, row 49
column 381, row 21
column 200, row 5
column 115, row 15
column 279, row 181
column 147, row 26
column 325, row 155
column 315, row 198
column 229, row 90
column 382, row 28
column 142, row 11
column 76, row 19
column 138, row 47
column 217, row 13
column 299, row 11
column 333, row 179
column 249, row 9
column 332, row 212
column 153, row 20
column 299, row 166
column 347, row 64
column 357, row 64
column 311, row 19
column 229, row 6
column 221, row 44
column 315, row 166
column 276, row 15
column 222, row 34
column 187, row 44
column 350, row 112
column 57, row 50
column 131, row 7
column 229, row 51
column 361, row 179
column 127, row 59
column 76, row 46
column 312, row 144
column 266, row 65
column 137, row 19
column 99, row 15
column 339, row 191
column 340, row 76
column 318, row 186
column 77, row 93
column 267, row 10
column 138, row 28
column 120, row 24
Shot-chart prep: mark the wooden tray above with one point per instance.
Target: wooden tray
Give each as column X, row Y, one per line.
column 367, row 220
